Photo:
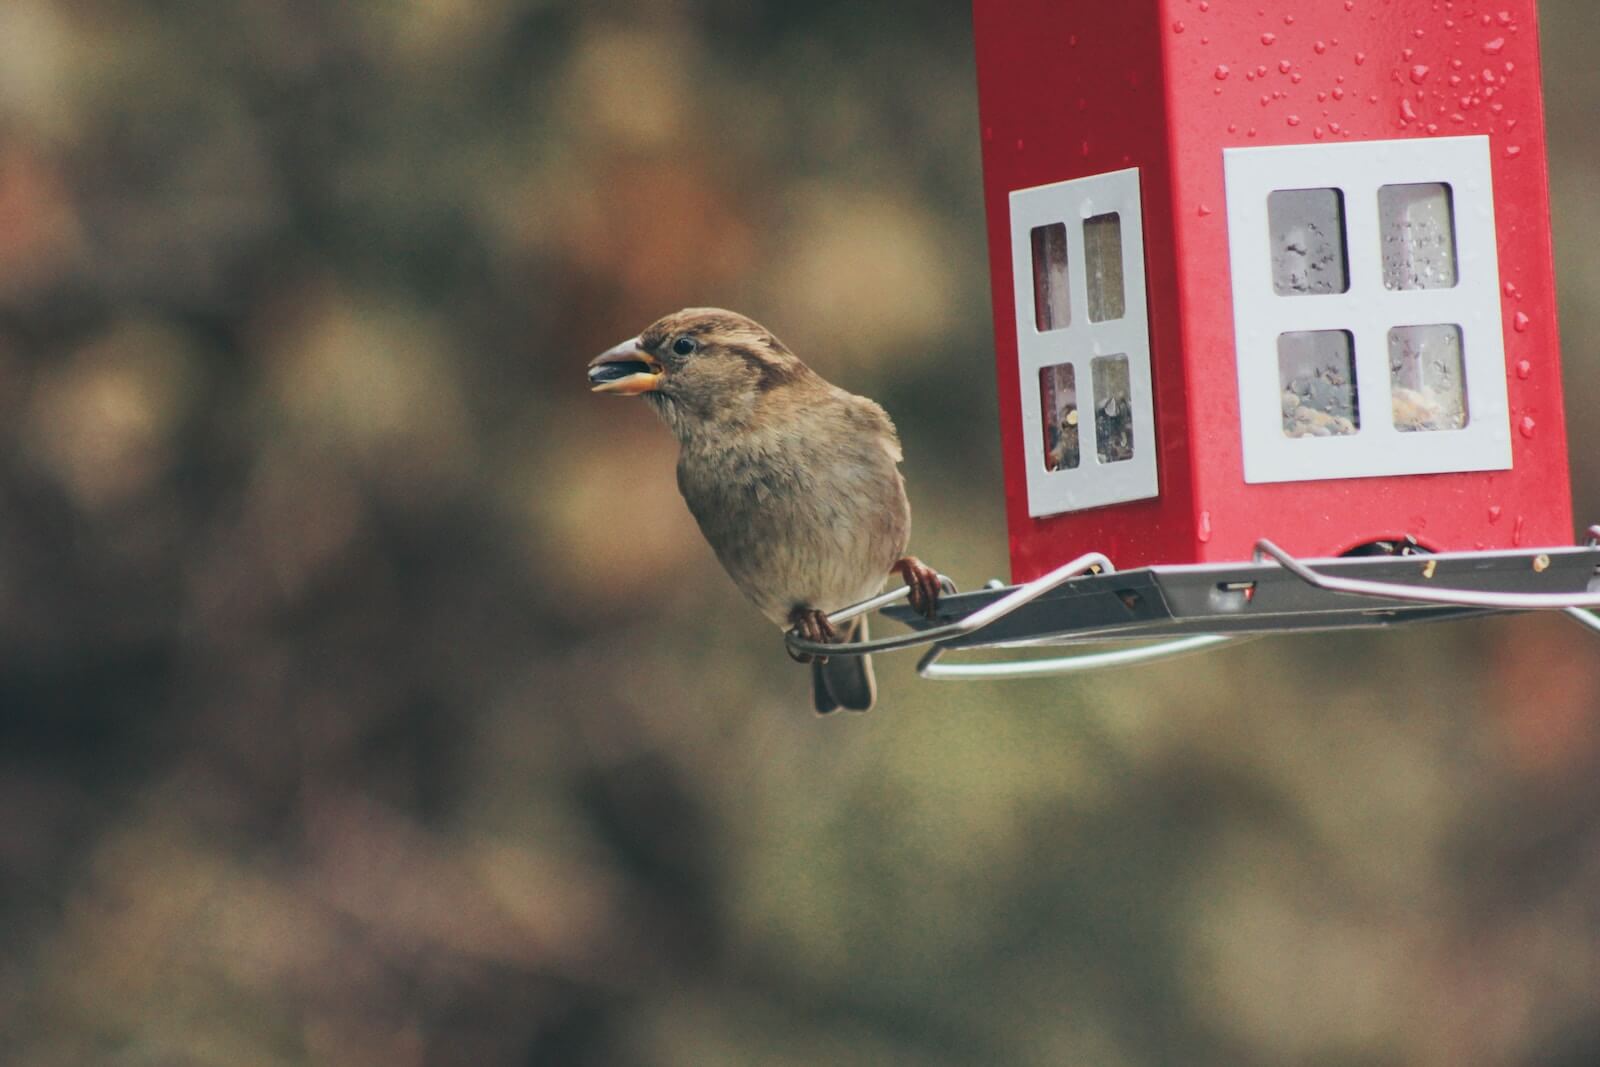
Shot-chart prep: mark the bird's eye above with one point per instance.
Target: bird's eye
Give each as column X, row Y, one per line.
column 683, row 346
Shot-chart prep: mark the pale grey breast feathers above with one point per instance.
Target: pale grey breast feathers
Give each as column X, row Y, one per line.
column 806, row 508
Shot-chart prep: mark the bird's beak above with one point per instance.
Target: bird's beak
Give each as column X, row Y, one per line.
column 626, row 369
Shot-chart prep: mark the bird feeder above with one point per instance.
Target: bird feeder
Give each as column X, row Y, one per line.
column 1274, row 317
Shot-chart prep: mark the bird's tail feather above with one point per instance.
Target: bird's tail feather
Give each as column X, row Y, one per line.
column 845, row 681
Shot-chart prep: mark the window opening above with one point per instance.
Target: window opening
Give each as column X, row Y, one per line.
column 1419, row 236
column 1113, row 409
column 1426, row 378
column 1052, row 309
column 1317, row 376
column 1102, row 262
column 1058, row 394
column 1309, row 254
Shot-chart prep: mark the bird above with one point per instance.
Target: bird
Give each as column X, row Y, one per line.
column 794, row 482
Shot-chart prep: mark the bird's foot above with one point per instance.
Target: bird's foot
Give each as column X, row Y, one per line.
column 923, row 581
column 810, row 624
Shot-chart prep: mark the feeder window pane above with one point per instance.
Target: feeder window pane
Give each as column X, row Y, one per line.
column 1051, row 309
column 1113, row 409
column 1419, row 236
column 1058, row 392
column 1309, row 255
column 1317, row 376
column 1102, row 264
column 1427, row 378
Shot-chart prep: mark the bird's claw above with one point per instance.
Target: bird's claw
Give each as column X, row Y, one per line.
column 923, row 581
column 810, row 624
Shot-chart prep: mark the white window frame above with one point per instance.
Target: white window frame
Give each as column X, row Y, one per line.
column 1367, row 309
column 1091, row 484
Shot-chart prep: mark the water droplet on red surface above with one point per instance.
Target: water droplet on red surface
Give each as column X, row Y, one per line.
column 988, row 133
column 1527, row 426
column 1204, row 530
column 1361, row 57
column 1516, row 531
column 1269, row 38
column 1513, row 151
column 1419, row 73
column 1495, row 511
column 1510, row 288
column 1019, row 144
column 1284, row 66
column 1221, row 73
column 1320, row 47
column 1408, row 111
column 1524, row 368
column 1177, row 27
column 1203, row 210
column 1494, row 47
column 1520, row 322
column 1293, row 120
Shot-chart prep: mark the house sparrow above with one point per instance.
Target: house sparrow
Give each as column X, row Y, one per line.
column 793, row 481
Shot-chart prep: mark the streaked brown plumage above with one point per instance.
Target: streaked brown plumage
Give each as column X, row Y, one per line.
column 793, row 481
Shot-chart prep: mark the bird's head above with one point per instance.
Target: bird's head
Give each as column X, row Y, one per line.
column 696, row 366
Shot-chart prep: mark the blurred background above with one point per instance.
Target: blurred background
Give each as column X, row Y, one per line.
column 367, row 695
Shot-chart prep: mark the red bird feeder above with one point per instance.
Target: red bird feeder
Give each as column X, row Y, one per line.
column 1269, row 280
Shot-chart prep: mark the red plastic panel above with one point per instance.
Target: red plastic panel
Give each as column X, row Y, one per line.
column 1077, row 88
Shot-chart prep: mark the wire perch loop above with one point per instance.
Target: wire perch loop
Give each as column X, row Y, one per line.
column 1154, row 613
column 1574, row 605
column 930, row 667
